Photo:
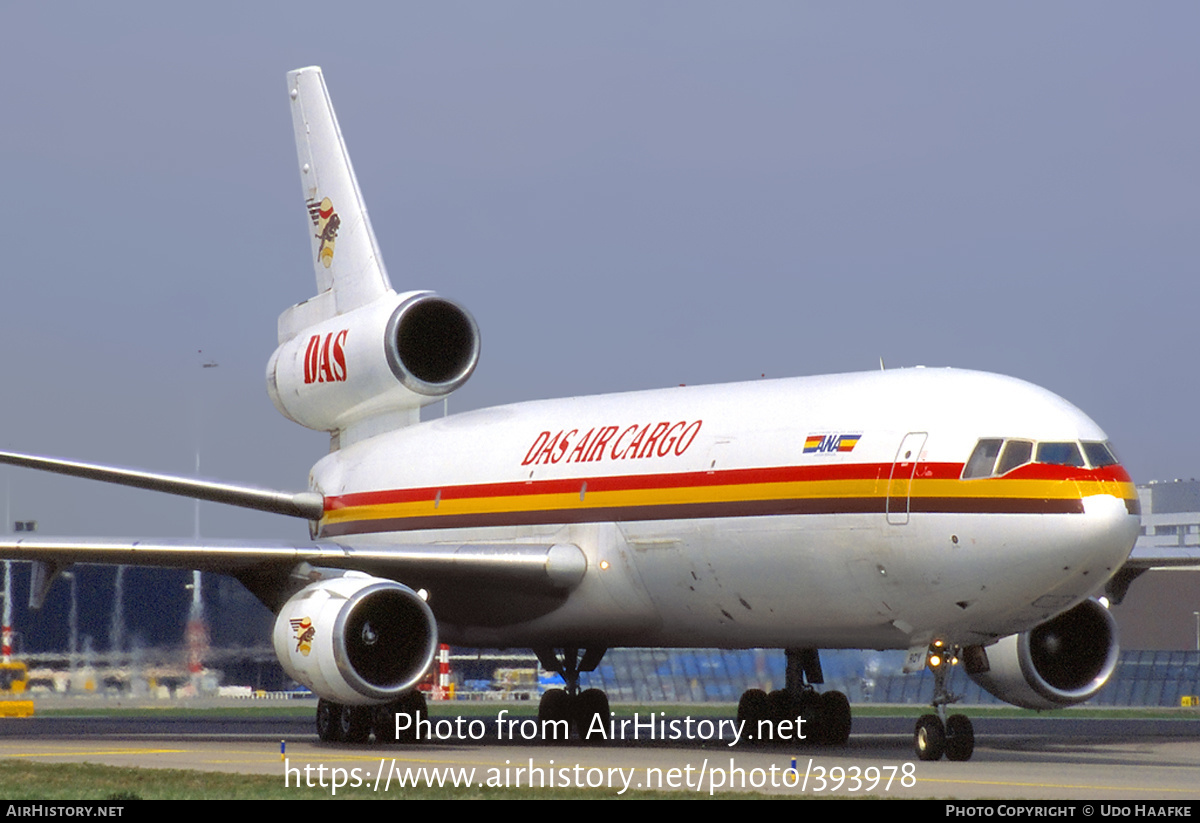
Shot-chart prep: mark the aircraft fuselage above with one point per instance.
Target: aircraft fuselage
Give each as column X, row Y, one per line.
column 825, row 511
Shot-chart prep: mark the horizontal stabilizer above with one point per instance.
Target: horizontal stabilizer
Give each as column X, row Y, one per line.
column 307, row 505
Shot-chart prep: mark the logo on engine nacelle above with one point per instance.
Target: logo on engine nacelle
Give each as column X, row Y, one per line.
column 304, row 632
column 325, row 358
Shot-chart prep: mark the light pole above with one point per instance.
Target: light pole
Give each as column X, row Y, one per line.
column 6, row 630
column 73, row 624
column 196, row 633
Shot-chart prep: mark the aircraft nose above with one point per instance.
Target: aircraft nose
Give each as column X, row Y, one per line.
column 1112, row 525
column 1103, row 475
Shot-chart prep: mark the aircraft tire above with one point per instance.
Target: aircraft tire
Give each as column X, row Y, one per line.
column 329, row 727
column 752, row 707
column 834, row 729
column 383, row 723
column 412, row 704
column 781, row 706
column 555, row 706
column 590, row 704
column 960, row 737
column 809, row 707
column 354, row 724
column 929, row 738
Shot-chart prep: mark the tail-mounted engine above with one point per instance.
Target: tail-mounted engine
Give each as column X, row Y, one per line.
column 356, row 640
column 1062, row 662
column 393, row 355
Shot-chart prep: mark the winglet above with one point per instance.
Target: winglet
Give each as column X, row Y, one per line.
column 345, row 255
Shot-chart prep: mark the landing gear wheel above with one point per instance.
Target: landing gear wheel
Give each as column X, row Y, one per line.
column 354, row 724
column 384, row 720
column 960, row 737
column 329, row 727
column 383, row 723
column 781, row 707
column 592, row 704
column 929, row 739
column 570, row 710
column 752, row 708
column 809, row 708
column 555, row 707
column 835, row 719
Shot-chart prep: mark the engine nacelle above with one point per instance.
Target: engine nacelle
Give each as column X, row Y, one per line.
column 356, row 639
column 392, row 355
column 1062, row 662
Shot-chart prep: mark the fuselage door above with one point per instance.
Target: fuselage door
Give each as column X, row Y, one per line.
column 900, row 482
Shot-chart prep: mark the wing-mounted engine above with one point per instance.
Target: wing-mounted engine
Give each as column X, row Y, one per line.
column 1062, row 662
column 356, row 639
column 387, row 358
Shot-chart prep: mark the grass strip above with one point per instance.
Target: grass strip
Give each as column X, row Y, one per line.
column 21, row 781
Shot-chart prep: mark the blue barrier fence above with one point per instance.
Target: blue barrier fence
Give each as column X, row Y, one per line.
column 1142, row 678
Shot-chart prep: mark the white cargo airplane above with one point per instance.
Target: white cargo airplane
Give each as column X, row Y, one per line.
column 955, row 514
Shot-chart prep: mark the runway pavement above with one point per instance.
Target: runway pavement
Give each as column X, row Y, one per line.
column 1057, row 758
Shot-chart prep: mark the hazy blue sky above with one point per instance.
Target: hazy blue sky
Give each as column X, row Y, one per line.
column 626, row 195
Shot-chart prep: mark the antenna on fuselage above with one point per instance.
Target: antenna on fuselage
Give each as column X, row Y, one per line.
column 881, row 366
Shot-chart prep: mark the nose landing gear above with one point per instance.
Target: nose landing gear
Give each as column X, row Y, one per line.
column 935, row 734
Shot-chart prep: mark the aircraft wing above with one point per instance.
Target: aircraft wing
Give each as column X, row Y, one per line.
column 1151, row 558
column 539, row 567
column 308, row 505
column 549, row 568
column 1163, row 557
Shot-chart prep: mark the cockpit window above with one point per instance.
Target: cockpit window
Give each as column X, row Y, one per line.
column 1060, row 454
column 995, row 456
column 1099, row 454
column 1016, row 453
column 983, row 459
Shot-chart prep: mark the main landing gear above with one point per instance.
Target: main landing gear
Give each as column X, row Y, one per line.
column 579, row 710
column 936, row 734
column 355, row 724
column 772, row 717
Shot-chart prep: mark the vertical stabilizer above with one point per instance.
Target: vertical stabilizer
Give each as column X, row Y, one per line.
column 348, row 264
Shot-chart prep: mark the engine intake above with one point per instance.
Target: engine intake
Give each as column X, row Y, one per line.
column 432, row 344
column 356, row 639
column 1062, row 662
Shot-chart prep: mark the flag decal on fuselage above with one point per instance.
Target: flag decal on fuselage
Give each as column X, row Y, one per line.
column 815, row 443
